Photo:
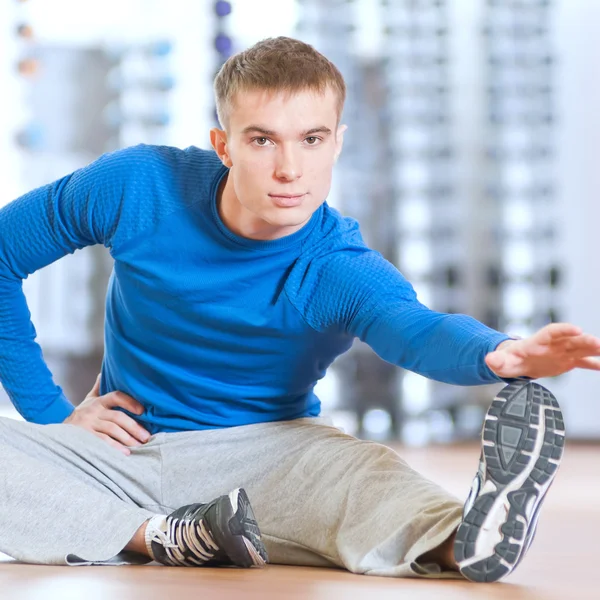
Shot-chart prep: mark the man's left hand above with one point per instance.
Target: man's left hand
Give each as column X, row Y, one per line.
column 555, row 349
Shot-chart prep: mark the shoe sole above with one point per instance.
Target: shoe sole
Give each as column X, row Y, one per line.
column 523, row 443
column 237, row 531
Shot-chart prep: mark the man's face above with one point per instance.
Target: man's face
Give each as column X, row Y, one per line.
column 281, row 149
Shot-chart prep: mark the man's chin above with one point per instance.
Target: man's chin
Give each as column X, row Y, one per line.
column 298, row 221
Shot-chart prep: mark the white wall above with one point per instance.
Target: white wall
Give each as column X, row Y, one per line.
column 577, row 26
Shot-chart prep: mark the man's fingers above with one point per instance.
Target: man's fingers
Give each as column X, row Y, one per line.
column 131, row 432
column 126, row 423
column 585, row 343
column 494, row 361
column 563, row 329
column 498, row 359
column 504, row 363
column 123, row 401
column 592, row 364
column 96, row 389
column 556, row 331
column 115, row 432
column 579, row 354
column 114, row 444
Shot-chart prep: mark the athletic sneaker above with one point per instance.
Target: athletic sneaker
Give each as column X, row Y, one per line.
column 523, row 442
column 223, row 532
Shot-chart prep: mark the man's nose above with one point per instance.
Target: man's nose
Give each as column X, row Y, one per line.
column 289, row 165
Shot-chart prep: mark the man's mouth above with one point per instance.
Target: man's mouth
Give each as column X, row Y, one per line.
column 287, row 200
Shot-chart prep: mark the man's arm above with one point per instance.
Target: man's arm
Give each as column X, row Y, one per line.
column 371, row 299
column 446, row 347
column 455, row 348
column 37, row 229
column 354, row 288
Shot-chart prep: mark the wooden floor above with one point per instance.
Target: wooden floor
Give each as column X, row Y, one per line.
column 563, row 562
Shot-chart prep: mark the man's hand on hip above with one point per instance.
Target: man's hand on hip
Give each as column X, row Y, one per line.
column 96, row 414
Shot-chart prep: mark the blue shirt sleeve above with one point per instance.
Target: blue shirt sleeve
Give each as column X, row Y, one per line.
column 36, row 229
column 373, row 301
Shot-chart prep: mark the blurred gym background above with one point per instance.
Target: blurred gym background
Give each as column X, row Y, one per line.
column 470, row 162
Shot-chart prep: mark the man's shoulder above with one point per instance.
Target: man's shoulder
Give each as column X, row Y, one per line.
column 335, row 249
column 161, row 160
column 167, row 176
column 335, row 272
column 335, row 232
column 146, row 184
column 338, row 255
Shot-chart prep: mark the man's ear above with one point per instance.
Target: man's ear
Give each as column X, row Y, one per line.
column 218, row 139
column 339, row 141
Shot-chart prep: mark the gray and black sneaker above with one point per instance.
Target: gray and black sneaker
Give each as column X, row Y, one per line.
column 223, row 532
column 523, row 442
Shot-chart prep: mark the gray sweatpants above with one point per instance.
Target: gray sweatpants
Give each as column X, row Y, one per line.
column 321, row 497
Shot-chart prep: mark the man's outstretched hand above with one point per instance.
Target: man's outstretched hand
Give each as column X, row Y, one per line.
column 96, row 414
column 554, row 349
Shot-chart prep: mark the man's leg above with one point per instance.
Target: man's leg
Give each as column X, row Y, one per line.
column 443, row 555
column 321, row 497
column 138, row 541
column 325, row 498
column 68, row 497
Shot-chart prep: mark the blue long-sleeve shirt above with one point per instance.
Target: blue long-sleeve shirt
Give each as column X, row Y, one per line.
column 205, row 328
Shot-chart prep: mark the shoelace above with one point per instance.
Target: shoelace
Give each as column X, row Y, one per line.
column 187, row 535
column 161, row 537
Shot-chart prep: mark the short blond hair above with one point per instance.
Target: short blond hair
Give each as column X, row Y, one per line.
column 276, row 64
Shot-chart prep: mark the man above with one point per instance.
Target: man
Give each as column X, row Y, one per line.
column 234, row 287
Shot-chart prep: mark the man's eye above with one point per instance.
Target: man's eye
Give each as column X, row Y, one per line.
column 261, row 141
column 312, row 140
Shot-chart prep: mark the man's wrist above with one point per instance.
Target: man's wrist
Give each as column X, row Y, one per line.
column 503, row 345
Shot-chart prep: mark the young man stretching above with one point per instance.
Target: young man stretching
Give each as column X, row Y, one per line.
column 234, row 287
